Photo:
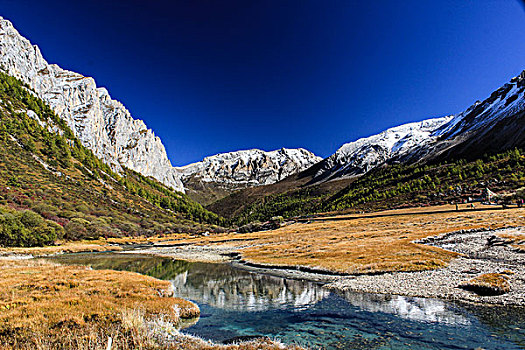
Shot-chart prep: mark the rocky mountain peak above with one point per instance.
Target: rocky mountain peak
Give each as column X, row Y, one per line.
column 252, row 167
column 102, row 124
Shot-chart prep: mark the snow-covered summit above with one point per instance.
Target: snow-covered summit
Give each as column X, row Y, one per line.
column 360, row 156
column 252, row 167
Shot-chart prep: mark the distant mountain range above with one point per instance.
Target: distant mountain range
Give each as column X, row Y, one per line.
column 488, row 127
column 106, row 127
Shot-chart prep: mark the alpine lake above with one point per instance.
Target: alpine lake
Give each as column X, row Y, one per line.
column 239, row 305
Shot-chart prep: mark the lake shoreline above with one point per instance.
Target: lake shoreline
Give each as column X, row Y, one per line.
column 442, row 283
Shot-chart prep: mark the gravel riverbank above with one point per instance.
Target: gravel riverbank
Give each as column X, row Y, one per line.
column 483, row 252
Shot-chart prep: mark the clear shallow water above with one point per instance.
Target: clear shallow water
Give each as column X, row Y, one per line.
column 237, row 304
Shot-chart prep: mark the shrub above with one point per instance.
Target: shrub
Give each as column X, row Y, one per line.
column 31, row 219
column 59, row 230
column 251, row 227
column 45, row 210
column 25, row 229
column 76, row 229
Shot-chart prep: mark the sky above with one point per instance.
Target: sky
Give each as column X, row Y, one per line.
column 218, row 76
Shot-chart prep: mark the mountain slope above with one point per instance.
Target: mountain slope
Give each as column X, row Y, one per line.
column 217, row 176
column 491, row 127
column 52, row 187
column 102, row 124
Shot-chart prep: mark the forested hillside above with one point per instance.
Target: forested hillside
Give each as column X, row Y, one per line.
column 51, row 187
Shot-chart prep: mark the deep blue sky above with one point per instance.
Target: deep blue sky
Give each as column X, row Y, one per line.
column 217, row 76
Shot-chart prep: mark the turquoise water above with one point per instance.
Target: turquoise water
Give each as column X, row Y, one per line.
column 236, row 304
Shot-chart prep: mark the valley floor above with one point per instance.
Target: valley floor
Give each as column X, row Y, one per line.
column 426, row 252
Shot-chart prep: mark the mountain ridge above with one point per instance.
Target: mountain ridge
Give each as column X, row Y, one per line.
column 453, row 136
column 360, row 156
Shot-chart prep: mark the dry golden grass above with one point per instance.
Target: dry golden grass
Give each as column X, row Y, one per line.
column 488, row 284
column 366, row 243
column 63, row 247
column 39, row 298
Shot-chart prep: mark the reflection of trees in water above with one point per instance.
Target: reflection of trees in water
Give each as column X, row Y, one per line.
column 157, row 267
column 225, row 287
column 416, row 309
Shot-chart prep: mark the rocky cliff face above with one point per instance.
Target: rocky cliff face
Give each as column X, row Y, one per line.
column 102, row 124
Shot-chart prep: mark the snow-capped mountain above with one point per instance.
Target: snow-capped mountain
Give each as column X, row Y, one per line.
column 217, row 176
column 496, row 124
column 248, row 168
column 359, row 157
column 102, row 124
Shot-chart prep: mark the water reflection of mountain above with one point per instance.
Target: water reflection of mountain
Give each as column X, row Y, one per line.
column 224, row 287
column 416, row 309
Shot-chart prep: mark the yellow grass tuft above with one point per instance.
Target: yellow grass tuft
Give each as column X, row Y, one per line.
column 488, row 284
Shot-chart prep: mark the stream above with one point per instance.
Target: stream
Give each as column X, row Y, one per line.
column 237, row 305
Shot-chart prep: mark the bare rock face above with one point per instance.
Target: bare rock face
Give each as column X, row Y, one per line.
column 102, row 124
